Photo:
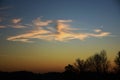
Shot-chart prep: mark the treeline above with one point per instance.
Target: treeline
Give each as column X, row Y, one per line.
column 96, row 67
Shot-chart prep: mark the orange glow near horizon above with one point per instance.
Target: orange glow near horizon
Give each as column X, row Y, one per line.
column 41, row 64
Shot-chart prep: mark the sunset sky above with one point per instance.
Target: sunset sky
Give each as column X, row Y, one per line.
column 46, row 35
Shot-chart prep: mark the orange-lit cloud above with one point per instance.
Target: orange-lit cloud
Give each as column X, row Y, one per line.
column 17, row 20
column 61, row 32
column 25, row 37
column 102, row 34
column 39, row 23
column 98, row 30
column 63, row 21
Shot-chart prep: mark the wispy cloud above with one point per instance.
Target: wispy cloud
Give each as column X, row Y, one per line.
column 26, row 36
column 38, row 23
column 2, row 27
column 98, row 30
column 18, row 26
column 61, row 32
column 16, row 21
column 65, row 33
column 63, row 21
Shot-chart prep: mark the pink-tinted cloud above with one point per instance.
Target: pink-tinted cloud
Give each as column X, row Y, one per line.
column 18, row 26
column 2, row 27
column 102, row 34
column 16, row 21
column 61, row 32
column 26, row 36
column 39, row 23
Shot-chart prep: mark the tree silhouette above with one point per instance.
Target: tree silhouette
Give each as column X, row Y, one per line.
column 117, row 61
column 70, row 68
column 95, row 67
column 70, row 72
column 80, row 65
column 105, row 63
column 98, row 62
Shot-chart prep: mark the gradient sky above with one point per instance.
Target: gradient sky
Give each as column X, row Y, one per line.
column 46, row 35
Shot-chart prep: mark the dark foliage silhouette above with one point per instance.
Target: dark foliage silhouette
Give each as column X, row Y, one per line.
column 98, row 63
column 80, row 65
column 70, row 68
column 117, row 61
column 96, row 67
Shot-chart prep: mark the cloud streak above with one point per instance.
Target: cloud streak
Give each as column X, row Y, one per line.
column 38, row 23
column 61, row 32
column 25, row 37
column 16, row 21
column 18, row 26
column 2, row 27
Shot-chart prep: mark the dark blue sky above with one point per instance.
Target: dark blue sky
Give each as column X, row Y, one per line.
column 87, row 13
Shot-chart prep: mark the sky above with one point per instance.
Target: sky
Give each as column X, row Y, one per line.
column 46, row 35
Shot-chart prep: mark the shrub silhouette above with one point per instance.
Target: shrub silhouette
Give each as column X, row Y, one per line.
column 70, row 68
column 117, row 62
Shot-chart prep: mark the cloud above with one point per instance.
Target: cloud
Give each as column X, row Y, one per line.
column 61, row 32
column 18, row 26
column 63, row 21
column 102, row 34
column 39, row 23
column 2, row 27
column 62, row 27
column 65, row 33
column 16, row 21
column 32, row 34
column 97, row 30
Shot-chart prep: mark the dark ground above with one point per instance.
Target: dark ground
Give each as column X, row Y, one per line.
column 24, row 75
